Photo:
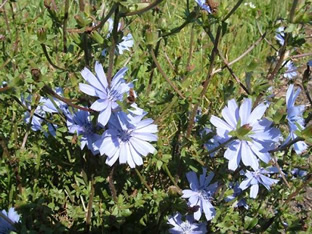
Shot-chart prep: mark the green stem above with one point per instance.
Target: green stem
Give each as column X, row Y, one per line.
column 143, row 180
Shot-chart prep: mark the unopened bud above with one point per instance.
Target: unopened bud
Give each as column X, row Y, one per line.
column 151, row 37
column 97, row 37
column 243, row 130
column 42, row 35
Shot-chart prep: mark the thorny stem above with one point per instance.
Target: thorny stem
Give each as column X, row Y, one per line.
column 143, row 180
column 190, row 50
column 205, row 86
column 164, row 74
column 138, row 12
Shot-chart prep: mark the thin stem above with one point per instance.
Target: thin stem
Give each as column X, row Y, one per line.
column 89, row 208
column 67, row 101
column 164, row 74
column 221, row 145
column 171, row 177
column 233, row 10
column 111, row 184
column 232, row 73
column 294, row 194
column 280, row 171
column 4, row 2
column 242, row 55
column 49, row 59
column 283, row 147
column 65, row 26
column 190, row 50
column 112, row 46
column 143, row 180
column 205, row 86
column 138, row 12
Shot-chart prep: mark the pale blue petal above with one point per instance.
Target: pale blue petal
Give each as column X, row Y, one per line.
column 87, row 89
column 244, row 111
column 100, row 74
column 254, row 189
column 105, row 115
column 192, row 179
column 100, row 104
column 257, row 113
column 219, row 123
column 91, row 79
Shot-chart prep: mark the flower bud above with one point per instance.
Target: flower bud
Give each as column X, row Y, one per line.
column 97, row 37
column 243, row 130
column 42, row 35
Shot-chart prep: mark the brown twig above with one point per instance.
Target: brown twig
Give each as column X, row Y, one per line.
column 67, row 101
column 112, row 46
column 205, row 86
column 294, row 194
column 138, row 12
column 111, row 183
column 65, row 26
column 232, row 73
column 242, row 55
column 49, row 59
column 164, row 74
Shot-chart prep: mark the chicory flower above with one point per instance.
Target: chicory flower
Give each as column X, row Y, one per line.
column 109, row 94
column 295, row 118
column 6, row 224
column 127, row 139
column 201, row 193
column 189, row 226
column 254, row 178
column 252, row 136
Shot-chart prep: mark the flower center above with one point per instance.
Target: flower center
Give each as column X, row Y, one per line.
column 186, row 227
column 124, row 135
column 206, row 195
column 88, row 128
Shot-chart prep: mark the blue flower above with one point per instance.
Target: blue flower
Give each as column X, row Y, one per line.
column 203, row 5
column 291, row 70
column 37, row 117
column 126, row 42
column 295, row 118
column 254, row 178
column 309, row 63
column 6, row 224
column 200, row 194
column 254, row 136
column 280, row 35
column 298, row 172
column 108, row 95
column 80, row 123
column 189, row 226
column 237, row 191
column 127, row 138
